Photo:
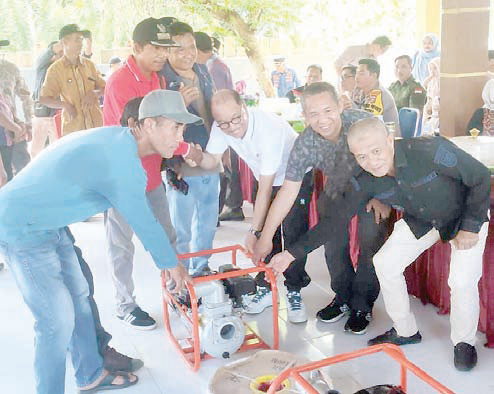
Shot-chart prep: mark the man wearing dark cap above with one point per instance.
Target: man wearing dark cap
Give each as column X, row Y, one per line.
column 137, row 77
column 283, row 78
column 84, row 174
column 115, row 63
column 73, row 84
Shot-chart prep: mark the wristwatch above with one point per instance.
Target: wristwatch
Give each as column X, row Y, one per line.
column 256, row 233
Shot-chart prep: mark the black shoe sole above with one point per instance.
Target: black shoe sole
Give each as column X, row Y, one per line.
column 397, row 343
column 350, row 331
column 334, row 319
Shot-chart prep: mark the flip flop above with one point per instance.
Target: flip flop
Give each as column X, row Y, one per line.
column 107, row 383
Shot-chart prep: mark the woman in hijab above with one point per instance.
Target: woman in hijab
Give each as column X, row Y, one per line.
column 430, row 123
column 483, row 118
column 422, row 58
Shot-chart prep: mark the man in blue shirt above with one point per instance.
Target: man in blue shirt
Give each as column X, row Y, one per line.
column 283, row 78
column 83, row 174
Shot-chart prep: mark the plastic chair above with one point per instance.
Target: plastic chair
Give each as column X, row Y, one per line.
column 409, row 122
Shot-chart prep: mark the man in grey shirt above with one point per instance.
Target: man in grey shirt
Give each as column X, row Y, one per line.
column 370, row 96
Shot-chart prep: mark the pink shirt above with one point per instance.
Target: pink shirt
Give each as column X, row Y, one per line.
column 123, row 85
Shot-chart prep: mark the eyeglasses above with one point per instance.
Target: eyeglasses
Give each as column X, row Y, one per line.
column 226, row 125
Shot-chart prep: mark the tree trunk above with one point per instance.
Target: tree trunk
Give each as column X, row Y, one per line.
column 248, row 40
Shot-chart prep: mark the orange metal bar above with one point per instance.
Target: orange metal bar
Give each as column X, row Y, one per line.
column 192, row 354
column 393, row 351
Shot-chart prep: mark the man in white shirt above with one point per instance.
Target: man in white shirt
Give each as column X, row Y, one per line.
column 264, row 142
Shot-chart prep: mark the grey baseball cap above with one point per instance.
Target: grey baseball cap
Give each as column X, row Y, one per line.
column 166, row 103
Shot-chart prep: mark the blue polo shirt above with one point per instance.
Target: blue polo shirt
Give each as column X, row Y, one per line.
column 78, row 176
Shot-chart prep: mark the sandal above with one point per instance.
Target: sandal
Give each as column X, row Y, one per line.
column 107, row 383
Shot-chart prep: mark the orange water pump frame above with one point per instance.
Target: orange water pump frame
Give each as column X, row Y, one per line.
column 191, row 348
column 391, row 350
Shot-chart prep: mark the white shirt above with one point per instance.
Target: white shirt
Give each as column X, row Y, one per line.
column 265, row 146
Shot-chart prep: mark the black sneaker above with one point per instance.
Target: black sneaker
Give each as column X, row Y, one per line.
column 115, row 361
column 357, row 322
column 235, row 214
column 391, row 336
column 465, row 356
column 333, row 312
column 138, row 319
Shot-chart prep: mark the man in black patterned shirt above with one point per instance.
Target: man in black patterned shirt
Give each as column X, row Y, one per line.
column 323, row 145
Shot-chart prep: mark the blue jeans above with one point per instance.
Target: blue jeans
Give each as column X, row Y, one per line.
column 47, row 272
column 194, row 217
column 102, row 336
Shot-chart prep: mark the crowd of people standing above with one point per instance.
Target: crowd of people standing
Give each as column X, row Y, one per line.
column 156, row 148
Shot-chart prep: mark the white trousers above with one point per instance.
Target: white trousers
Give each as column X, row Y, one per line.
column 400, row 250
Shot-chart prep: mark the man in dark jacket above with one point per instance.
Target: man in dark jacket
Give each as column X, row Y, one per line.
column 444, row 194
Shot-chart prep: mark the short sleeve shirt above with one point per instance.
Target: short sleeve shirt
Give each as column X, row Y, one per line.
column 265, row 146
column 71, row 82
column 334, row 159
column 378, row 102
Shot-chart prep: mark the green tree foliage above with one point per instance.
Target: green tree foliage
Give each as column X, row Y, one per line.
column 247, row 20
column 319, row 27
column 28, row 23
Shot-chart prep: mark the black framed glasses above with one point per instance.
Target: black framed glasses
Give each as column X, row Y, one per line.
column 226, row 125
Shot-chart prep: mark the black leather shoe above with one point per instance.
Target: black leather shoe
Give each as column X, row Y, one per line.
column 465, row 356
column 392, row 336
column 235, row 214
